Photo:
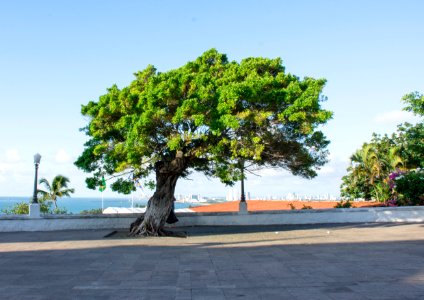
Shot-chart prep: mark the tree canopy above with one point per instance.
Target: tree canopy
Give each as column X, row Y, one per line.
column 214, row 113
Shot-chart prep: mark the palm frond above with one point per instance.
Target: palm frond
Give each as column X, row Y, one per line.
column 45, row 182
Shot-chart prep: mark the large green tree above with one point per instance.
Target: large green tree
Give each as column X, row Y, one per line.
column 210, row 115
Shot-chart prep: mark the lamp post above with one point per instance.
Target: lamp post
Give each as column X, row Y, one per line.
column 37, row 158
column 242, row 203
column 243, row 196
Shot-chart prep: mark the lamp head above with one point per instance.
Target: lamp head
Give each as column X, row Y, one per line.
column 37, row 158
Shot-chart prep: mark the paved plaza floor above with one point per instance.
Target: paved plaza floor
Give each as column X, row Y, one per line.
column 361, row 261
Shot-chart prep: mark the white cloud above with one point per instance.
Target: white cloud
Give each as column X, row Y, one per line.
column 62, row 156
column 11, row 165
column 14, row 172
column 12, row 156
column 326, row 170
column 268, row 172
column 394, row 117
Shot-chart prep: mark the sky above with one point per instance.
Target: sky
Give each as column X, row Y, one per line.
column 58, row 55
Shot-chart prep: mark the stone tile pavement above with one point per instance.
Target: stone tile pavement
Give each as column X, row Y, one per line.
column 360, row 261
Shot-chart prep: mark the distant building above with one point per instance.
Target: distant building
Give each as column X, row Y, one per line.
column 234, row 194
column 290, row 196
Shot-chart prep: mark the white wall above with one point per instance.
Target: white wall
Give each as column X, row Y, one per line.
column 327, row 216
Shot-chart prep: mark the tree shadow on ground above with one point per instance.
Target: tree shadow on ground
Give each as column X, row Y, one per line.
column 192, row 231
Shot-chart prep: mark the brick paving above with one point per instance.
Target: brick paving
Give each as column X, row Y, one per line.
column 361, row 261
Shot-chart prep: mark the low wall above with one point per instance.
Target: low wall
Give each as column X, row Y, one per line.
column 282, row 217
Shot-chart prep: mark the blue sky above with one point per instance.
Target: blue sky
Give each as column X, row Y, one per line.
column 57, row 55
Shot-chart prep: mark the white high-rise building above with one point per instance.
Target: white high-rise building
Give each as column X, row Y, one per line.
column 230, row 195
column 233, row 194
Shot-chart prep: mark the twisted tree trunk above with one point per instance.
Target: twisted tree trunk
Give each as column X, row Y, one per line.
column 160, row 205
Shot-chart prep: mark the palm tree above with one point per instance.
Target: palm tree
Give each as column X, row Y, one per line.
column 394, row 160
column 57, row 189
column 366, row 169
column 365, row 163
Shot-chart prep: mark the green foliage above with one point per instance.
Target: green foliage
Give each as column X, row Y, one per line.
column 22, row 208
column 57, row 189
column 94, row 211
column 410, row 188
column 58, row 211
column 410, row 142
column 213, row 113
column 368, row 173
column 415, row 103
column 344, row 204
column 381, row 191
column 124, row 186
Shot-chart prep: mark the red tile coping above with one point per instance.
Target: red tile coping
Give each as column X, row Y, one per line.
column 254, row 205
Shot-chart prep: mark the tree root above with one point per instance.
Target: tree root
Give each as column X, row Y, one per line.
column 135, row 226
column 138, row 229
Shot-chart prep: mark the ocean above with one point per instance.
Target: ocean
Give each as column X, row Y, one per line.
column 76, row 205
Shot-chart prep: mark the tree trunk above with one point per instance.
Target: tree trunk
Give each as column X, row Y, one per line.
column 160, row 205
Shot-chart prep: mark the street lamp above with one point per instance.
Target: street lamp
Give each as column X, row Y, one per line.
column 37, row 158
column 243, row 196
column 242, row 203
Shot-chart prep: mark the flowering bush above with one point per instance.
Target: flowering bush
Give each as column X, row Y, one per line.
column 393, row 176
column 409, row 187
column 385, row 191
column 392, row 202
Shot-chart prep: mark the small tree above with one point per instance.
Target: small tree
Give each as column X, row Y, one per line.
column 57, row 189
column 205, row 116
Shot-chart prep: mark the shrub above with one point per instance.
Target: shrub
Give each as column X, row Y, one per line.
column 58, row 211
column 94, row 211
column 306, row 206
column 344, row 204
column 22, row 208
column 382, row 191
column 409, row 188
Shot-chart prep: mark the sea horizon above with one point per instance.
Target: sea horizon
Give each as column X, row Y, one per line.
column 75, row 205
